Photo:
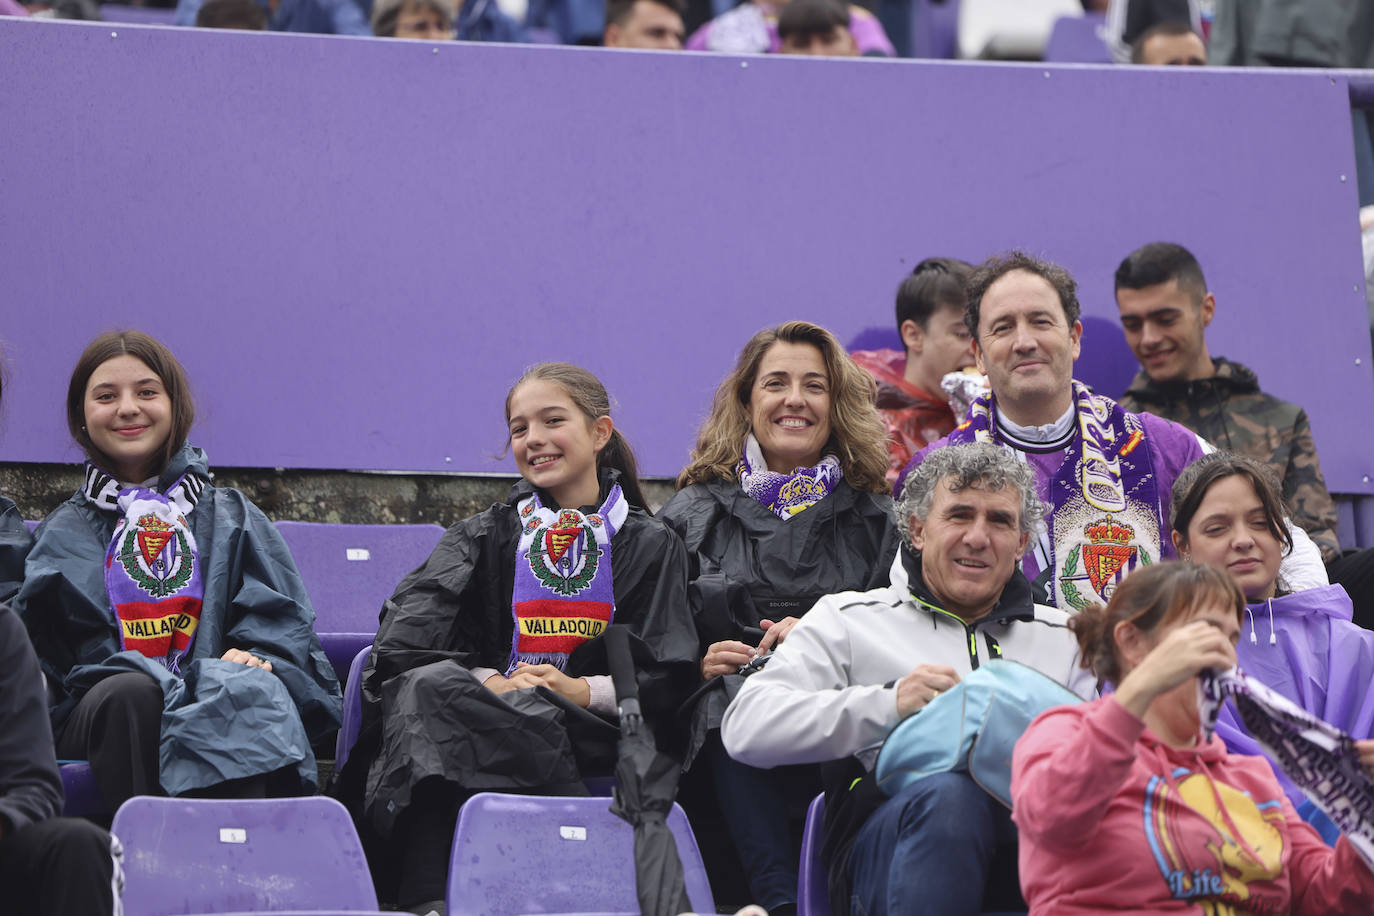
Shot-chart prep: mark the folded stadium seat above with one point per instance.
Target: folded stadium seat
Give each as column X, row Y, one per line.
column 349, row 571
column 1078, row 40
column 81, row 795
column 813, row 893
column 352, row 709
column 241, row 856
column 536, row 854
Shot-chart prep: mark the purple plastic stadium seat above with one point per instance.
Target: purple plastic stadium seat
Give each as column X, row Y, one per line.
column 81, row 794
column 349, row 571
column 32, row 523
column 352, row 709
column 813, row 888
column 533, row 854
column 1076, row 40
column 239, row 856
column 884, row 338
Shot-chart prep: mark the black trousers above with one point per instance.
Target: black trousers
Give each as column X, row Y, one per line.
column 1354, row 570
column 59, row 867
column 116, row 726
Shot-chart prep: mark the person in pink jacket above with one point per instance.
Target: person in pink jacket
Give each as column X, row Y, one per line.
column 1122, row 807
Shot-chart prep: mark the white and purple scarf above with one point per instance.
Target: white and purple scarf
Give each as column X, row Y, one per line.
column 1105, row 516
column 786, row 494
column 564, row 594
column 152, row 568
column 1319, row 758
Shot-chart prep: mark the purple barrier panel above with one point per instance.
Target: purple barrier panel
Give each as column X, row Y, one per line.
column 355, row 245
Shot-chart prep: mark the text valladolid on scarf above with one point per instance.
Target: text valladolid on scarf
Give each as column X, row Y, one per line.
column 786, row 494
column 152, row 571
column 563, row 588
column 1319, row 758
column 1104, row 503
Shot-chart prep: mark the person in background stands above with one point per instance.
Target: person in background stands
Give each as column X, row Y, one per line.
column 245, row 15
column 1169, row 44
column 819, row 28
column 427, row 20
column 936, row 342
column 645, row 24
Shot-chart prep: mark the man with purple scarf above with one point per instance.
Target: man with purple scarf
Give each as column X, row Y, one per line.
column 1106, row 472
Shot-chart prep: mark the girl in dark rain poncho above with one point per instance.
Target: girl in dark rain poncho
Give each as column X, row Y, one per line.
column 171, row 624
column 488, row 672
column 784, row 502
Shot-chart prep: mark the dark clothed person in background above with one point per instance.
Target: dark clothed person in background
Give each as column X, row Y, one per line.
column 783, row 502
column 245, row 15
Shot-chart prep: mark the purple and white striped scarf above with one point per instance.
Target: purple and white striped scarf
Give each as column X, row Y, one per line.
column 1319, row 758
column 786, row 494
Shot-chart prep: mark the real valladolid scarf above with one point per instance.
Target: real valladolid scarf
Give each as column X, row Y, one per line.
column 152, row 571
column 563, row 588
column 1319, row 758
column 786, row 494
column 1105, row 519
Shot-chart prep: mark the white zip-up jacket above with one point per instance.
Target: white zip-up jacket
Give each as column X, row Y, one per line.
column 830, row 691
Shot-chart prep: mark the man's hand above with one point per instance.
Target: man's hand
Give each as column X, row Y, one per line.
column 247, row 658
column 923, row 684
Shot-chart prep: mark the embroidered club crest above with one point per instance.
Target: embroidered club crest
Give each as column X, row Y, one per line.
column 1107, row 558
column 156, row 556
column 564, row 555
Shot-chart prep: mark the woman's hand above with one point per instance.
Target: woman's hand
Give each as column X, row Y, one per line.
column 571, row 688
column 1366, row 752
column 247, row 658
column 726, row 658
column 1179, row 657
column 775, row 633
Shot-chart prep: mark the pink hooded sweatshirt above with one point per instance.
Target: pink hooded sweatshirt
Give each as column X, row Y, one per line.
column 1112, row 820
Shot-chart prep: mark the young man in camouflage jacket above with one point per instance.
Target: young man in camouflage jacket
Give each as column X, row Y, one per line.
column 1165, row 308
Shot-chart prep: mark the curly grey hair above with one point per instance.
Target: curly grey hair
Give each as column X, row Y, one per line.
column 973, row 464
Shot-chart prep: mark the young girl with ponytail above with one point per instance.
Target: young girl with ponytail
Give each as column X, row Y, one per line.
column 488, row 671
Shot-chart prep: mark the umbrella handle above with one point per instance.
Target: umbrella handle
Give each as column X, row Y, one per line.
column 622, row 667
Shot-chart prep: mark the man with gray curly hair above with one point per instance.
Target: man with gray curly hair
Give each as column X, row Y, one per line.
column 859, row 663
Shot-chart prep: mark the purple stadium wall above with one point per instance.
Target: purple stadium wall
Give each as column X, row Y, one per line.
column 355, row 245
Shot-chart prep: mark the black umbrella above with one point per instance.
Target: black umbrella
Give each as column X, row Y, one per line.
column 644, row 796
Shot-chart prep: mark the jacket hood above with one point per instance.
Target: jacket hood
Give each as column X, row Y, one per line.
column 187, row 458
column 1230, row 378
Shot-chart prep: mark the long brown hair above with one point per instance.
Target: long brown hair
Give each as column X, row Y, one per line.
column 153, row 354
column 857, row 435
column 1149, row 598
column 590, row 397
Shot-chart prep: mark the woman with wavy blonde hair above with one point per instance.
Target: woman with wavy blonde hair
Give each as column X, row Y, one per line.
column 784, row 501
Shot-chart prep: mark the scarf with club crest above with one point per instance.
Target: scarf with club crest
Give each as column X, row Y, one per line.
column 1318, row 757
column 563, row 588
column 152, row 570
column 786, row 494
column 1105, row 517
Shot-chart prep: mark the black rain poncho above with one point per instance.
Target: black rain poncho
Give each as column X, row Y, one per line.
column 15, row 542
column 747, row 564
column 425, row 715
column 222, row 720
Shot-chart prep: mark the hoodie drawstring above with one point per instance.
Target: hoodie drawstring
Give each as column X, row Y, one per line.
column 1273, row 639
column 1254, row 640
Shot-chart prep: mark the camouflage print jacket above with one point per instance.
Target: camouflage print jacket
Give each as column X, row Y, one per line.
column 1231, row 412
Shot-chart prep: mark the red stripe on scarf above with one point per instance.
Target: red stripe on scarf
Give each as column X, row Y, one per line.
column 571, row 624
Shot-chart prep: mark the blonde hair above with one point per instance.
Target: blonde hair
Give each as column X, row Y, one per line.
column 857, row 435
